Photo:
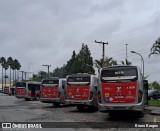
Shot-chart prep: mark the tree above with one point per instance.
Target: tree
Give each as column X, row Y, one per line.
column 2, row 60
column 154, row 85
column 108, row 61
column 18, row 67
column 60, row 72
column 79, row 63
column 126, row 62
column 155, row 49
column 15, row 67
column 84, row 61
column 5, row 66
column 10, row 62
column 70, row 66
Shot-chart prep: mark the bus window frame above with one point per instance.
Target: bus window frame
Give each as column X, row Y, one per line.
column 119, row 68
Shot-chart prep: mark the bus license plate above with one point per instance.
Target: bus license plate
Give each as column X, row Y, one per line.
column 119, row 108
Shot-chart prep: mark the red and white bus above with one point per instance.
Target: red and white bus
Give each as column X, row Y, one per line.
column 20, row 89
column 6, row 90
column 81, row 90
column 32, row 91
column 121, row 88
column 52, row 91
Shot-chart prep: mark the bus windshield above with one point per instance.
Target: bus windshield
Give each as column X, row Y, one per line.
column 117, row 74
column 78, row 80
column 20, row 84
column 34, row 87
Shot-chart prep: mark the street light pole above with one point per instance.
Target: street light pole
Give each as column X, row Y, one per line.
column 48, row 68
column 25, row 74
column 22, row 74
column 126, row 52
column 141, row 58
column 103, row 51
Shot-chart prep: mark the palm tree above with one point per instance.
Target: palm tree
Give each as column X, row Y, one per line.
column 15, row 63
column 5, row 66
column 126, row 62
column 155, row 48
column 107, row 62
column 10, row 62
column 13, row 68
column 2, row 59
column 18, row 67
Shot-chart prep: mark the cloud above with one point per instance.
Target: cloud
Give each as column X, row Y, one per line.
column 46, row 32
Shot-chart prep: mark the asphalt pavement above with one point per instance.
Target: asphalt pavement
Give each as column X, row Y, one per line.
column 19, row 110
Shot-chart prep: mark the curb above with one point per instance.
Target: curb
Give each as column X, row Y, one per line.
column 155, row 112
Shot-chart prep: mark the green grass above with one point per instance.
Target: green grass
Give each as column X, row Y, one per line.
column 154, row 102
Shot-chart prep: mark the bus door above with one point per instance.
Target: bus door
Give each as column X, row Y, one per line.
column 50, row 88
column 33, row 92
column 78, row 88
column 119, row 85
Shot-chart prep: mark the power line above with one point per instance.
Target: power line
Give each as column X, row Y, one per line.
column 123, row 54
column 132, row 55
column 103, row 51
column 133, row 30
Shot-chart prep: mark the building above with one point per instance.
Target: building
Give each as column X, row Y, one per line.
column 7, row 84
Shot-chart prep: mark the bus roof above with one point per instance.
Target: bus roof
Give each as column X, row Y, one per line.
column 33, row 82
column 51, row 78
column 79, row 75
column 119, row 66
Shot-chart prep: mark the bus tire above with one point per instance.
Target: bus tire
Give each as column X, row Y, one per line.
column 56, row 104
column 140, row 114
column 92, row 108
column 80, row 107
column 111, row 114
column 37, row 97
column 27, row 99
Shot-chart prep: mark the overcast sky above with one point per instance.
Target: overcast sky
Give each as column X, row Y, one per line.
column 40, row 32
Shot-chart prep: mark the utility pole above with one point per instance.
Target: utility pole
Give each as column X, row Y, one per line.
column 103, row 50
column 22, row 74
column 126, row 53
column 25, row 74
column 48, row 69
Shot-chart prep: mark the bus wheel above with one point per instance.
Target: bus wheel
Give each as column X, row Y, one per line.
column 140, row 114
column 92, row 108
column 80, row 108
column 37, row 97
column 27, row 99
column 111, row 114
column 56, row 104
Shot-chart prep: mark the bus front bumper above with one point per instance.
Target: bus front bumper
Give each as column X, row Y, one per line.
column 19, row 96
column 120, row 107
column 50, row 100
column 80, row 102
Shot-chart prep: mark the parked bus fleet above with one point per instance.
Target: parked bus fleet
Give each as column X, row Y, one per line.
column 115, row 89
